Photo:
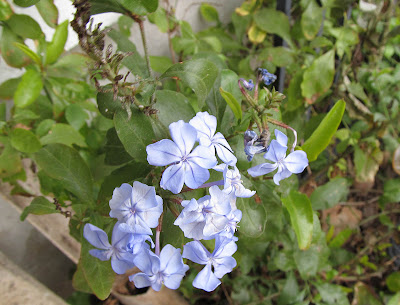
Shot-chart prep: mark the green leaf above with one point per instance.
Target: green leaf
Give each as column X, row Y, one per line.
column 125, row 24
column 115, row 151
column 48, row 11
column 391, row 190
column 365, row 295
column 107, row 105
column 64, row 134
column 274, row 22
column 328, row 195
column 340, row 239
column 393, row 281
column 198, row 74
column 10, row 161
column 11, row 54
column 160, row 64
column 76, row 116
column 29, row 52
column 140, row 7
column 290, row 291
column 79, row 281
column 322, row 136
column 172, row 106
column 311, row 20
column 135, row 63
column 5, row 10
column 28, row 89
column 8, row 88
column 44, row 127
column 209, row 13
column 395, row 300
column 174, row 236
column 24, row 140
column 232, row 103
column 25, row 3
column 135, row 133
column 318, row 78
column 25, row 26
column 254, row 217
column 333, row 294
column 160, row 19
column 98, row 274
column 279, row 56
column 56, row 47
column 39, row 206
column 65, row 164
column 105, row 6
column 301, row 216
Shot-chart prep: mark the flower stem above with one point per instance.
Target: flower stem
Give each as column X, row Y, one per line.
column 145, row 48
column 158, row 232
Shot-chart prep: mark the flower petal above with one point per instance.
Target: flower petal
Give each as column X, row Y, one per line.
column 196, row 252
column 96, row 237
column 276, row 152
column 120, row 266
column 262, row 169
column 195, row 175
column 224, row 151
column 140, row 280
column 206, row 279
column 120, row 195
column 103, row 255
column 281, row 137
column 223, row 266
column 203, row 156
column 205, row 124
column 163, row 152
column 171, row 261
column 147, row 262
column 151, row 216
column 296, row 161
column 282, row 173
column 173, row 178
column 184, row 135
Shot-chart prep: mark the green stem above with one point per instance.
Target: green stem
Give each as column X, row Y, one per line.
column 146, row 50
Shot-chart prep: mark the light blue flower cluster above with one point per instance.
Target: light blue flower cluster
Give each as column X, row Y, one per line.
column 214, row 216
column 189, row 156
column 266, row 77
column 137, row 209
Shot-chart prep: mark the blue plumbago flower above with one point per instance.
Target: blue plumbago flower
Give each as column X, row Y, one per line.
column 252, row 145
column 206, row 125
column 221, row 260
column 136, row 207
column 234, row 218
column 138, row 243
column 205, row 217
column 294, row 163
column 168, row 268
column 267, row 78
column 233, row 185
column 121, row 258
column 190, row 168
column 249, row 85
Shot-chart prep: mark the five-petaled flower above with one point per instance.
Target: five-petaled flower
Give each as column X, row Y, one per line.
column 187, row 166
column 221, row 260
column 167, row 269
column 136, row 207
column 206, row 125
column 294, row 163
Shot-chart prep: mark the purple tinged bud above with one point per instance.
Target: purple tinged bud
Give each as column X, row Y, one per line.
column 249, row 85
